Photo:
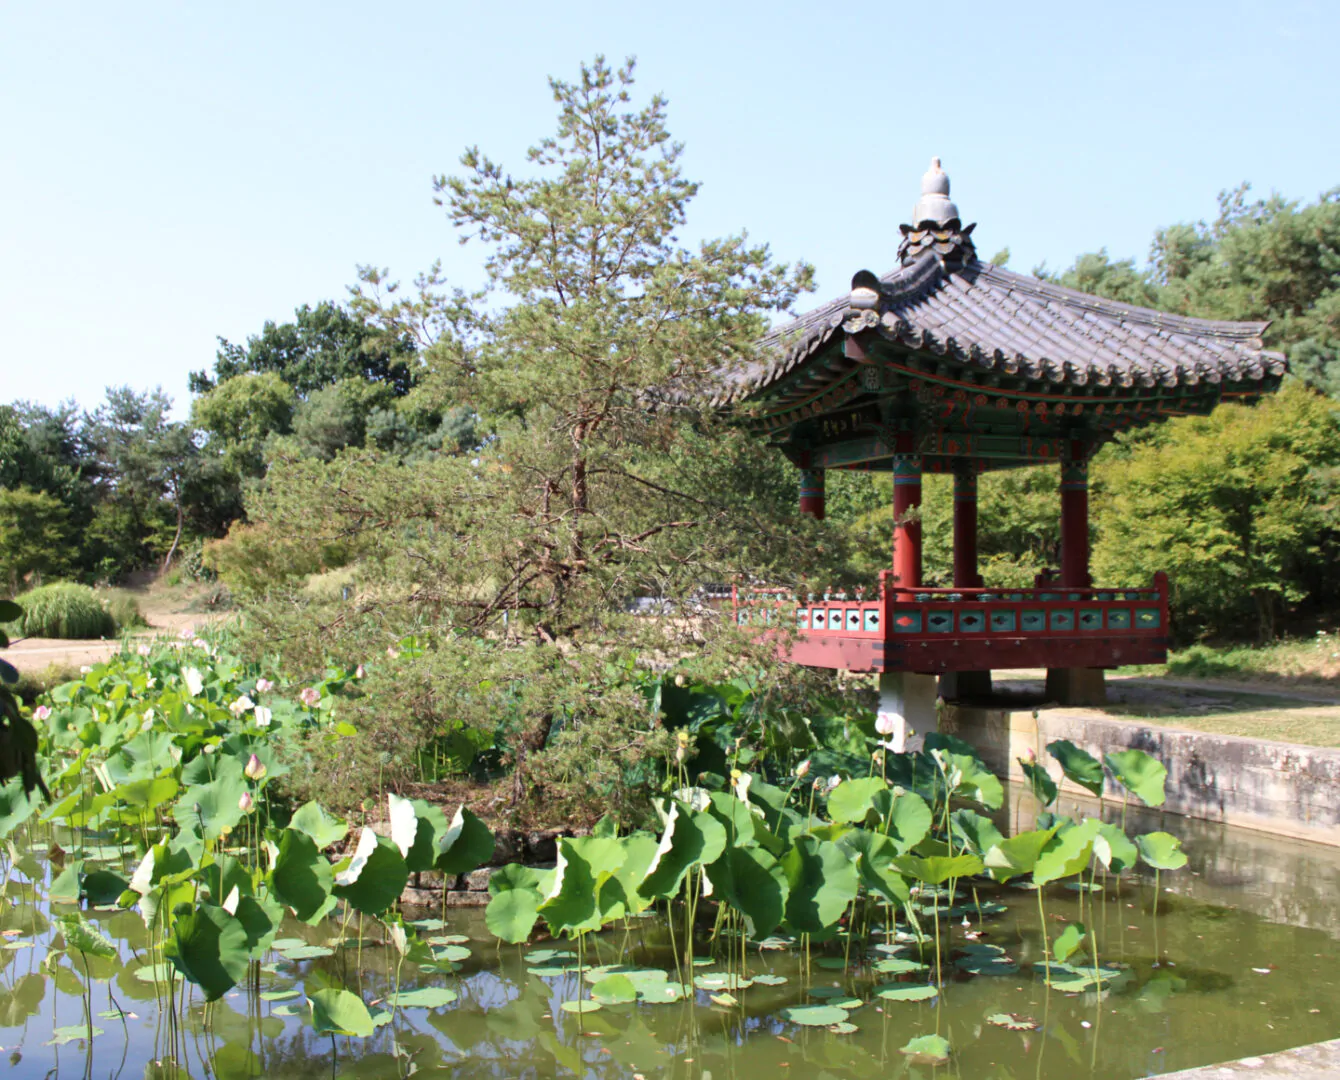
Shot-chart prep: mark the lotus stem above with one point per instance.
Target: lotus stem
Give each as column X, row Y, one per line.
column 1046, row 950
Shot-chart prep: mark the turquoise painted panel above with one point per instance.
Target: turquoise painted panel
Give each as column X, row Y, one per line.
column 803, row 618
column 1003, row 622
column 1147, row 618
column 972, row 622
column 1063, row 620
column 940, row 622
column 819, row 618
column 1034, row 621
column 853, row 618
column 1090, row 618
column 1119, row 619
column 871, row 620
column 907, row 622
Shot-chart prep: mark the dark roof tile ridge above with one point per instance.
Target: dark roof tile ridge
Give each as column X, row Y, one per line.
column 1119, row 310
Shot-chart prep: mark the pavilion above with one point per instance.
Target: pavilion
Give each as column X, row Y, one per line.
column 953, row 365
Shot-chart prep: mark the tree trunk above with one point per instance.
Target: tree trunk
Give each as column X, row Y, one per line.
column 181, row 518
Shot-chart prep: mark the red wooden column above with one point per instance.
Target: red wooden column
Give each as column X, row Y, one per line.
column 812, row 492
column 965, row 528
column 907, row 522
column 1075, row 523
column 1075, row 686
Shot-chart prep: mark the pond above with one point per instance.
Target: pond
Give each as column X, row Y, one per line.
column 1238, row 960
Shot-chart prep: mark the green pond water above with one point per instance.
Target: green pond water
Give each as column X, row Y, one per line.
column 1239, row 960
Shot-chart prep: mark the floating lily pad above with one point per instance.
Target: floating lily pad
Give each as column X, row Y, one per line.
column 987, row 965
column 74, row 1033
column 583, row 1006
column 831, row 963
column 426, row 997
column 451, row 953
column 827, row 991
column 725, row 1000
column 285, row 1010
column 844, row 1027
column 906, row 992
column 544, row 956
column 928, row 1050
column 280, row 995
column 721, row 981
column 776, row 943
column 157, row 973
column 1013, row 1021
column 614, row 989
column 306, row 952
column 428, row 924
column 897, row 965
column 666, row 993
column 815, row 1015
column 1084, row 886
column 768, row 979
column 283, row 944
column 550, row 971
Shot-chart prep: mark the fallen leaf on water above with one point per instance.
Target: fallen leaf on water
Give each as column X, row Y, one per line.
column 1262, row 971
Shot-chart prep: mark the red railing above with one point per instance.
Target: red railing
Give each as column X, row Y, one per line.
column 938, row 629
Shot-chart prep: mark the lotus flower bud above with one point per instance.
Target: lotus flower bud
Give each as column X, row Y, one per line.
column 264, row 686
column 310, row 696
column 246, row 803
column 802, row 770
column 41, row 712
column 255, row 769
column 679, row 754
column 886, row 723
column 360, row 672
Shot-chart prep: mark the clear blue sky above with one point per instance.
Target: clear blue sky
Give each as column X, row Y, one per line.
column 173, row 172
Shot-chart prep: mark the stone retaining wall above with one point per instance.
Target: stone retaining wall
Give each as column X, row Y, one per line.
column 1274, row 787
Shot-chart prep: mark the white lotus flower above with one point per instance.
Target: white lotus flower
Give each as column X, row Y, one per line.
column 195, row 682
column 241, row 705
column 263, row 716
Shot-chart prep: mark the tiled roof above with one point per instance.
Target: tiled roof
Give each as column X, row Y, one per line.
column 993, row 320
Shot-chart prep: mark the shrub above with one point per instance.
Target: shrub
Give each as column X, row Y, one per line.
column 124, row 609
column 64, row 610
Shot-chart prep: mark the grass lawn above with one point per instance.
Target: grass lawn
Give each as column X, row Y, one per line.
column 1226, row 712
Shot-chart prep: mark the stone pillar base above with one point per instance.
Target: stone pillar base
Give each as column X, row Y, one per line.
column 908, row 700
column 1076, row 686
column 965, row 685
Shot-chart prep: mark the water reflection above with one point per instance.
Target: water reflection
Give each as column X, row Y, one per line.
column 1220, row 973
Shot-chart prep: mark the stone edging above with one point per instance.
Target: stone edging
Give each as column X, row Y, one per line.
column 1317, row 1061
column 1280, row 788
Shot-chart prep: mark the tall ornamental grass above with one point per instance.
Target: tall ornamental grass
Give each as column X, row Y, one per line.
column 66, row 610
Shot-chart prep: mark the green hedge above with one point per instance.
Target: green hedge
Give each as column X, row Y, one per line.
column 65, row 610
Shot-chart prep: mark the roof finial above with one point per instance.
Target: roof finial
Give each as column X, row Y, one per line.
column 934, row 204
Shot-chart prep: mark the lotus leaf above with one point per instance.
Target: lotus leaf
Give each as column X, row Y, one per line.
column 689, row 839
column 1017, row 855
column 209, row 947
column 1162, row 851
column 1067, row 941
column 906, row 992
column 375, row 878
column 301, row 878
column 466, row 845
column 338, row 1012
column 324, row 830
column 852, row 800
column 815, row 1015
column 1067, row 853
column 1043, row 786
column 928, row 1049
column 1079, row 766
column 821, row 883
column 937, row 869
column 426, row 997
column 752, row 882
column 1139, row 773
column 614, row 990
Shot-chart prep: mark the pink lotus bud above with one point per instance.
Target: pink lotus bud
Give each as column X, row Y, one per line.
column 360, row 672
column 246, row 803
column 802, row 770
column 255, row 769
column 41, row 712
column 310, row 696
column 264, row 686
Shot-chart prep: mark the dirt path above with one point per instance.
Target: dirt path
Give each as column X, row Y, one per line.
column 32, row 655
